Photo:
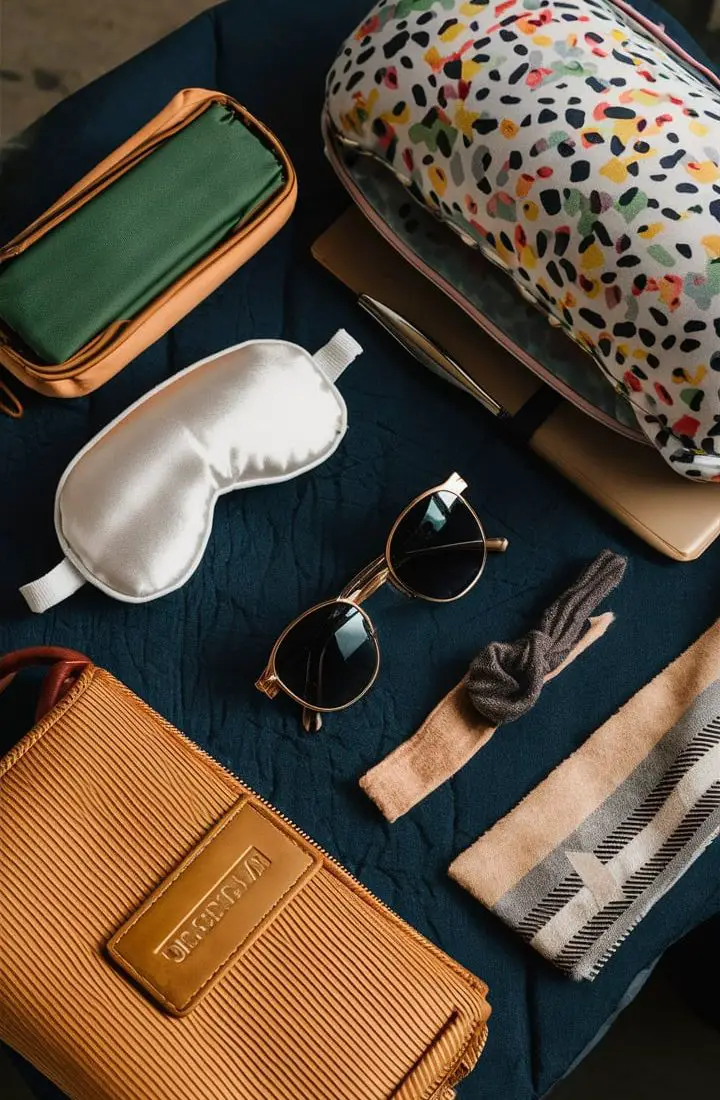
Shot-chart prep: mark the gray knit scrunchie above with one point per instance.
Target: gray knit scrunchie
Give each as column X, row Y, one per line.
column 506, row 678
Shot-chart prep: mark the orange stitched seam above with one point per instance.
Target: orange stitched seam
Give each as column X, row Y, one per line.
column 145, row 981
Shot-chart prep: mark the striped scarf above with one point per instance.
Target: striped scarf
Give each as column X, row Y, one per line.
column 579, row 862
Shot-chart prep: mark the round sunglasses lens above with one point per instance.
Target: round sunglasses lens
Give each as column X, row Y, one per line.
column 329, row 657
column 438, row 549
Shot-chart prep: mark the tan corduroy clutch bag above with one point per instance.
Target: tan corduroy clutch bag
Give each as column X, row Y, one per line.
column 167, row 935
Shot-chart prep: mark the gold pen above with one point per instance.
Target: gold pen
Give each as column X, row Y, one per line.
column 430, row 354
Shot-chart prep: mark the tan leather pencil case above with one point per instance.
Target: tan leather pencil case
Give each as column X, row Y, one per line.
column 167, row 935
column 139, row 242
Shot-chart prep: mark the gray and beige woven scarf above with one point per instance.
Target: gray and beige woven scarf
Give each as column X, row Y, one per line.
column 578, row 863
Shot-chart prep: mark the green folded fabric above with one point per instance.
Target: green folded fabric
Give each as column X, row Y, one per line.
column 134, row 239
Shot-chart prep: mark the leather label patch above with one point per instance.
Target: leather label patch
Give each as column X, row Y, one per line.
column 213, row 906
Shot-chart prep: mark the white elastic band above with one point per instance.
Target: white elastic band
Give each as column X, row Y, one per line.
column 54, row 587
column 337, row 354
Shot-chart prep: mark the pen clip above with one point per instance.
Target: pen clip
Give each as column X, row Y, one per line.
column 429, row 353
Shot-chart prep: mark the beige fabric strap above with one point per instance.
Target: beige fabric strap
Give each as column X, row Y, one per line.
column 53, row 587
column 448, row 738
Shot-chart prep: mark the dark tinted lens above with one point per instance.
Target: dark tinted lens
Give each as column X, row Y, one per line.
column 438, row 549
column 329, row 657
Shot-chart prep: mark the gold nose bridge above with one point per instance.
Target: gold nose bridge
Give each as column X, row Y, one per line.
column 367, row 581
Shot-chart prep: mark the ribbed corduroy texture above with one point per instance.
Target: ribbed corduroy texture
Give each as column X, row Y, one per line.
column 337, row 1000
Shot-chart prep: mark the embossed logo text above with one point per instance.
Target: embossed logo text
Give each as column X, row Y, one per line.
column 185, row 937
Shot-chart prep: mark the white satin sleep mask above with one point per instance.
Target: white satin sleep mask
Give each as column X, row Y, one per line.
column 134, row 509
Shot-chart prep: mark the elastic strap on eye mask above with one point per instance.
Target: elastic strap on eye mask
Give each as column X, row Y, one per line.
column 337, row 354
column 54, row 587
column 65, row 578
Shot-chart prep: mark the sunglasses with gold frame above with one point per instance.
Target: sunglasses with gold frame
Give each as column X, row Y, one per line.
column 436, row 551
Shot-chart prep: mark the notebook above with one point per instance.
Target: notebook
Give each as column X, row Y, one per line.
column 628, row 479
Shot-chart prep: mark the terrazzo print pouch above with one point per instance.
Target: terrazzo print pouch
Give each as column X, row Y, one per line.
column 583, row 858
column 577, row 147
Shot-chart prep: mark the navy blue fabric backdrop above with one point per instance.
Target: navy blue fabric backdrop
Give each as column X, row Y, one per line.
column 195, row 654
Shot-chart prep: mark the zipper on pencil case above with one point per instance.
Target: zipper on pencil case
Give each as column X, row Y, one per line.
column 133, row 157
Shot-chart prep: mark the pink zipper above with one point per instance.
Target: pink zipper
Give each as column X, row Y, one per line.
column 479, row 318
column 658, row 31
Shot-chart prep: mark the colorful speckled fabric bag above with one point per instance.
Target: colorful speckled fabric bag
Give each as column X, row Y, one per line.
column 576, row 147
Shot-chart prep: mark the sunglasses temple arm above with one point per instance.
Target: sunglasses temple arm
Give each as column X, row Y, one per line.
column 367, row 581
column 375, row 575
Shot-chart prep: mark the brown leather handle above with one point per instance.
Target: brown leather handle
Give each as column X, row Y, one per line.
column 66, row 665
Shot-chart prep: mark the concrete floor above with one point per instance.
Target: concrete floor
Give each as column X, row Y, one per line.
column 49, row 48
